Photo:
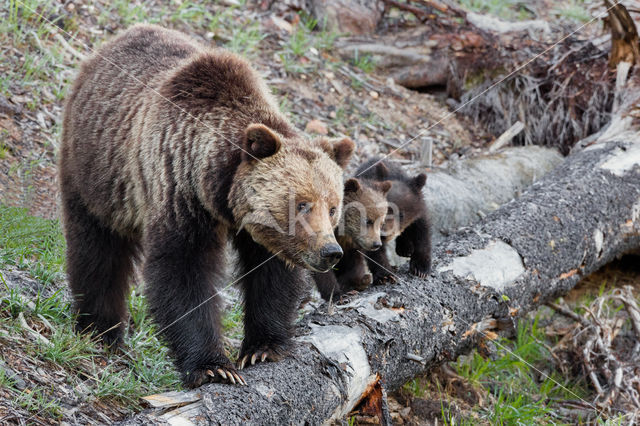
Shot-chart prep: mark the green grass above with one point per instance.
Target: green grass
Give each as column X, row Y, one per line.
column 31, row 243
column 573, row 10
column 144, row 365
column 520, row 382
column 515, row 380
column 39, row 401
column 364, row 62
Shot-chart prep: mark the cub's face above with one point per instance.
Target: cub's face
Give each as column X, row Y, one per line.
column 364, row 211
column 405, row 205
column 287, row 195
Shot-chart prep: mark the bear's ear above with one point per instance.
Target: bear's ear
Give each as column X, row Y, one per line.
column 259, row 142
column 382, row 172
column 385, row 186
column 352, row 185
column 418, row 182
column 339, row 149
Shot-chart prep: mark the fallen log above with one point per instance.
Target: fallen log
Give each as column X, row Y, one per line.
column 575, row 219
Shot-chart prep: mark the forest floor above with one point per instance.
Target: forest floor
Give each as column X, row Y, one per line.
column 49, row 374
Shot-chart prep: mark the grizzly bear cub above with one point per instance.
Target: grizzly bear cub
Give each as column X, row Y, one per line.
column 407, row 221
column 169, row 149
column 363, row 215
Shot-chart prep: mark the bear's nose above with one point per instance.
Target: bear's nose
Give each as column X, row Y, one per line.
column 376, row 245
column 331, row 252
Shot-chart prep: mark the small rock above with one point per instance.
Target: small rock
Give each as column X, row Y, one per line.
column 374, row 94
column 356, row 17
column 278, row 24
column 316, row 126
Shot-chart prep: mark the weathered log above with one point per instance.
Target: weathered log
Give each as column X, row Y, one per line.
column 575, row 219
column 470, row 189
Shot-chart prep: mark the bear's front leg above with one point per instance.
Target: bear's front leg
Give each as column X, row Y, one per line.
column 327, row 285
column 404, row 244
column 379, row 266
column 272, row 293
column 183, row 258
column 353, row 274
column 419, row 233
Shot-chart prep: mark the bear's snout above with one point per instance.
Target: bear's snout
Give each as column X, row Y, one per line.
column 331, row 253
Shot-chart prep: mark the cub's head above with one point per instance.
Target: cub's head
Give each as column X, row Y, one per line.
column 405, row 205
column 364, row 211
column 287, row 194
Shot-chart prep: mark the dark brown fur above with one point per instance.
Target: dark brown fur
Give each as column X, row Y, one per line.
column 169, row 149
column 407, row 222
column 364, row 211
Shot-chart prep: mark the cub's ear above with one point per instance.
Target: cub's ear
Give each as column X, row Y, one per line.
column 418, row 182
column 259, row 142
column 384, row 187
column 352, row 185
column 339, row 149
column 382, row 172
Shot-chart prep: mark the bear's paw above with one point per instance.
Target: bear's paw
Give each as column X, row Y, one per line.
column 420, row 267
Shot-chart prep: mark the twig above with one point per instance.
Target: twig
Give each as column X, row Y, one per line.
column 31, row 331
column 506, row 137
column 632, row 308
column 422, row 15
column 569, row 313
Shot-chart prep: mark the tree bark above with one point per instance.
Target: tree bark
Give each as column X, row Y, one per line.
column 566, row 225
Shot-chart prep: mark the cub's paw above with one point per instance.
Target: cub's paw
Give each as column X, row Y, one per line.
column 420, row 267
column 216, row 373
column 385, row 278
column 262, row 353
column 366, row 281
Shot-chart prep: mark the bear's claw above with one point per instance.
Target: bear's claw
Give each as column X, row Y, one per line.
column 420, row 269
column 229, row 375
column 214, row 373
column 262, row 355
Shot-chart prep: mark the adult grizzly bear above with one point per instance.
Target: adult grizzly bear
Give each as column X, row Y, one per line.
column 168, row 148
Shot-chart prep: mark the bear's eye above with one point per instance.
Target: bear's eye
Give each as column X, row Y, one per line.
column 401, row 215
column 304, row 207
column 332, row 211
column 369, row 222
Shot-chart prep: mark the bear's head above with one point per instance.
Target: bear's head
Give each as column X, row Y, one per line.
column 364, row 211
column 405, row 205
column 287, row 194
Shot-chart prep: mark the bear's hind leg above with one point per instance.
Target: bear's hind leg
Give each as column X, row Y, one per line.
column 272, row 293
column 99, row 265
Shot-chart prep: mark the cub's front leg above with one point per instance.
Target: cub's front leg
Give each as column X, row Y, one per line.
column 183, row 259
column 419, row 236
column 271, row 296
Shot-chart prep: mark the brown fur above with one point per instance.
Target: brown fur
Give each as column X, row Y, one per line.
column 363, row 215
column 171, row 148
column 407, row 221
